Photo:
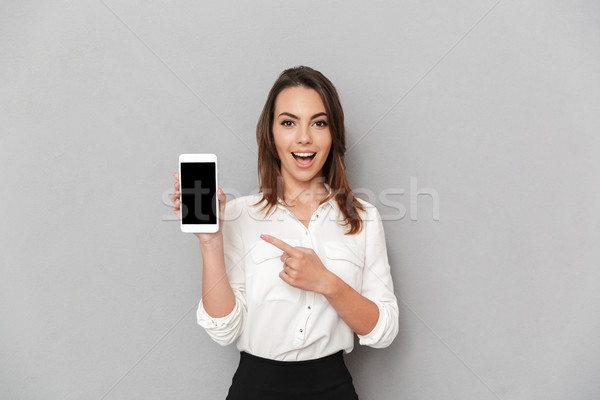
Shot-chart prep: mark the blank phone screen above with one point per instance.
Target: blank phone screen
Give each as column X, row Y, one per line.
column 198, row 193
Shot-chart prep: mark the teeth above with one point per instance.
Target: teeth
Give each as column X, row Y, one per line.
column 303, row 154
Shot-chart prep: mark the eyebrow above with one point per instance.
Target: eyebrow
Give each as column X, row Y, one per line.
column 295, row 117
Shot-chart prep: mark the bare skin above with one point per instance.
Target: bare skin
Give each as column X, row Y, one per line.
column 304, row 205
column 217, row 296
column 300, row 125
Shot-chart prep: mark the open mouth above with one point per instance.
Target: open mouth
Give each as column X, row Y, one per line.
column 304, row 156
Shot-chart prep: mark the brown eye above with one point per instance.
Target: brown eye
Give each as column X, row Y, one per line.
column 321, row 124
column 287, row 122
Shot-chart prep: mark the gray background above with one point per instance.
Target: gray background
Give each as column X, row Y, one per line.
column 491, row 105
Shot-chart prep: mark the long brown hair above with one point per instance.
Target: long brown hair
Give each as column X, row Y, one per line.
column 334, row 169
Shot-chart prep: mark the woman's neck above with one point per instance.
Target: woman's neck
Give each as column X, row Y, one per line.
column 305, row 195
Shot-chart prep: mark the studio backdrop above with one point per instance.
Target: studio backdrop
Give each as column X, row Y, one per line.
column 471, row 125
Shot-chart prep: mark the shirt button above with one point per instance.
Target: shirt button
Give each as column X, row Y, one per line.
column 317, row 215
column 301, row 331
column 309, row 307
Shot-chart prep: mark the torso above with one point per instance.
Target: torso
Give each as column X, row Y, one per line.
column 303, row 213
column 277, row 310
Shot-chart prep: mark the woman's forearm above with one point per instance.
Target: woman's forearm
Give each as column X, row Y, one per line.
column 217, row 296
column 358, row 312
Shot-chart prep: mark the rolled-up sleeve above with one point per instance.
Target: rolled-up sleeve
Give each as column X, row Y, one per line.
column 225, row 330
column 377, row 284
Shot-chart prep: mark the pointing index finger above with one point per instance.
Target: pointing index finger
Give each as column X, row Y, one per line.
column 280, row 244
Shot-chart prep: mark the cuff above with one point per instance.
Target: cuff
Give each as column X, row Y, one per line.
column 208, row 322
column 374, row 337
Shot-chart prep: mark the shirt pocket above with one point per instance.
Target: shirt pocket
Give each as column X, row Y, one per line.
column 345, row 261
column 263, row 281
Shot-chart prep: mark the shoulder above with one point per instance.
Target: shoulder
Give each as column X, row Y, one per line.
column 239, row 201
column 243, row 204
column 371, row 211
column 364, row 202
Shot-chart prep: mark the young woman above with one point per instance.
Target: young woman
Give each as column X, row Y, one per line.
column 298, row 268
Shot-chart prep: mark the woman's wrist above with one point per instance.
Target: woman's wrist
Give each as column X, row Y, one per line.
column 215, row 242
column 213, row 254
column 331, row 284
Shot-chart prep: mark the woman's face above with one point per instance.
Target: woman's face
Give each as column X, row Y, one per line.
column 300, row 129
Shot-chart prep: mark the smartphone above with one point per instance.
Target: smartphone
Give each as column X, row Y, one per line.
column 198, row 193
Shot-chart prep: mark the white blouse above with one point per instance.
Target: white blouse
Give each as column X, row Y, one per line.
column 272, row 319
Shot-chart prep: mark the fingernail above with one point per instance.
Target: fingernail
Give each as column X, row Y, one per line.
column 263, row 237
column 220, row 191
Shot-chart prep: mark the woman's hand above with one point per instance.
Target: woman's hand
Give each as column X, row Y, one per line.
column 302, row 267
column 205, row 238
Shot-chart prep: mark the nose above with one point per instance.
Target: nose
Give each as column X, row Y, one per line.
column 304, row 134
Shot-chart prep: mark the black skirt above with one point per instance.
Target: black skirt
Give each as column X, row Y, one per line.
column 261, row 378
